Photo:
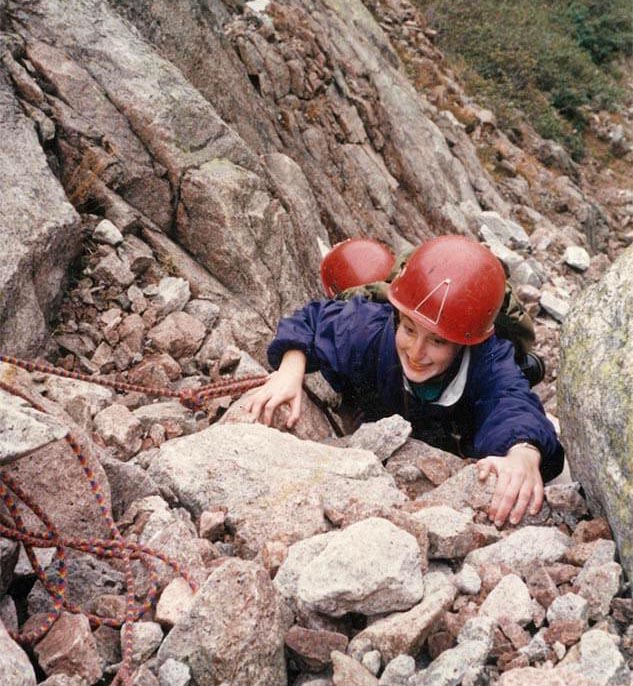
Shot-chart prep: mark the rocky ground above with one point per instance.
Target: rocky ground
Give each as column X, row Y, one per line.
column 321, row 560
column 365, row 559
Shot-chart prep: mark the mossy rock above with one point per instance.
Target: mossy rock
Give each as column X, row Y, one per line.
column 595, row 398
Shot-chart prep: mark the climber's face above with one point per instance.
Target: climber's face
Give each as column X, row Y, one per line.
column 423, row 354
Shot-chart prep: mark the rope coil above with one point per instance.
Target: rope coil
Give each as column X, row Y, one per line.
column 115, row 547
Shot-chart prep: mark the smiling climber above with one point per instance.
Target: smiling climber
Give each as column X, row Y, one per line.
column 429, row 354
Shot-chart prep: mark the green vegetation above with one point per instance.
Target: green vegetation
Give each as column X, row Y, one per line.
column 550, row 61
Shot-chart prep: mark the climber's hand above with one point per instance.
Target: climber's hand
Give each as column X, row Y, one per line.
column 519, row 483
column 282, row 388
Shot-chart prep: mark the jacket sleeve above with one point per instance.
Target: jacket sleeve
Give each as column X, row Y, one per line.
column 336, row 337
column 507, row 412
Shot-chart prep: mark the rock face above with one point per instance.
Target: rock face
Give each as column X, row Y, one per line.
column 39, row 229
column 595, row 399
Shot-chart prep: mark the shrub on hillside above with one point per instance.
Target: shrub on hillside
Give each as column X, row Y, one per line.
column 547, row 59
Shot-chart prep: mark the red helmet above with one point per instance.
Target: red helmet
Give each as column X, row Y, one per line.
column 355, row 262
column 453, row 286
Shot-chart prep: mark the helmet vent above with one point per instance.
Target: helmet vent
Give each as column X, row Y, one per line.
column 433, row 310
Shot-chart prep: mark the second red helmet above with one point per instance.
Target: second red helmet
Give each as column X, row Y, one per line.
column 452, row 286
column 355, row 262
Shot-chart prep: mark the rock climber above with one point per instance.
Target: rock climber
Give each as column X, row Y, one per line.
column 431, row 355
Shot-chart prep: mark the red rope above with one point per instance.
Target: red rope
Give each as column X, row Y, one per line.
column 115, row 547
column 191, row 398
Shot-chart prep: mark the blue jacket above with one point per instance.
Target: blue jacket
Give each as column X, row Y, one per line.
column 352, row 343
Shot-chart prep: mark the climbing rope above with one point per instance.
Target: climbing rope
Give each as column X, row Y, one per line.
column 193, row 399
column 115, row 547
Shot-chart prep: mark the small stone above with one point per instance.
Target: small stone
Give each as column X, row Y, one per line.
column 372, row 661
column 398, row 671
column 174, row 602
column 174, row 673
column 577, row 258
column 541, row 585
column 69, row 647
column 349, row 672
column 120, row 428
column 112, row 271
column 569, row 607
column 517, row 635
column 599, row 584
column 204, row 311
column 146, row 639
column 467, row 580
column 591, row 529
column 509, row 599
column 179, row 335
column 383, row 437
column 554, row 306
column 172, row 295
column 313, row 648
column 566, row 632
column 107, row 232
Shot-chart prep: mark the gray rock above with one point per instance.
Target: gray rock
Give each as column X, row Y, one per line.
column 112, row 271
column 371, row 567
column 467, row 580
column 398, row 671
column 9, row 552
column 272, row 484
column 88, row 578
column 383, row 437
column 82, row 400
column 508, row 232
column 509, row 599
column 404, row 632
column 167, row 410
column 234, row 631
column 120, row 428
column 15, row 666
column 522, row 547
column 107, row 232
column 595, row 661
column 128, row 482
column 24, row 429
column 146, row 639
column 70, row 648
column 8, row 613
column 510, row 258
column 172, row 295
column 554, row 306
column 453, row 664
column 593, row 383
column 169, row 531
column 174, row 673
column 598, row 584
column 349, row 672
column 568, row 607
column 372, row 661
column 204, row 311
column 577, row 258
column 527, row 274
column 451, row 533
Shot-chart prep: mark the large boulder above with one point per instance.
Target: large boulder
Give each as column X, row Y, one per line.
column 273, row 485
column 594, row 398
column 234, row 631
